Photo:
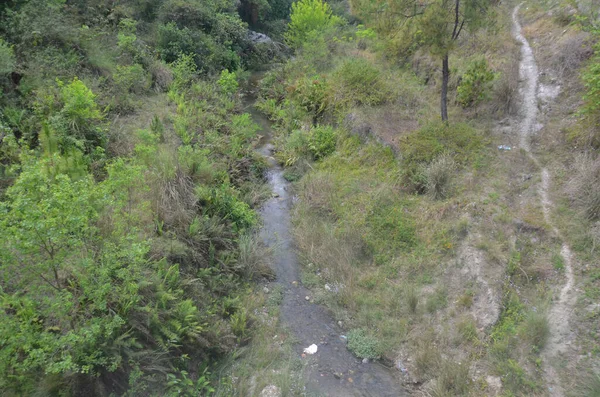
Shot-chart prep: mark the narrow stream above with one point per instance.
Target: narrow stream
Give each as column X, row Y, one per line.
column 333, row 370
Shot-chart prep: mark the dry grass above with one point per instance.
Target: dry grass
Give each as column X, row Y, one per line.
column 584, row 186
column 439, row 175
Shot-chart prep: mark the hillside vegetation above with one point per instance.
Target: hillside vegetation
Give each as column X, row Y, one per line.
column 130, row 190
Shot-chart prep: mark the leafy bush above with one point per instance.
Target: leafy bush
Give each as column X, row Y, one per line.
column 309, row 16
column 322, row 141
column 358, row 82
column 228, row 82
column 208, row 54
column 312, row 93
column 422, row 146
column 364, row 345
column 475, row 84
column 7, row 58
column 222, row 201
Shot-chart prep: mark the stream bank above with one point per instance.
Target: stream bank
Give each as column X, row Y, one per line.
column 332, row 370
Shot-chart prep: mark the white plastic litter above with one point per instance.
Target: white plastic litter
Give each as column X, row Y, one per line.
column 312, row 349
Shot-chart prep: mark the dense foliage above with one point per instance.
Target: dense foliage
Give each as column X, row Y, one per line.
column 128, row 185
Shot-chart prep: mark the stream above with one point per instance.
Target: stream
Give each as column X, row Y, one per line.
column 332, row 371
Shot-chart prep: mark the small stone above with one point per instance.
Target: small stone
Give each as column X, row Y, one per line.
column 365, row 360
column 340, row 324
column 295, row 283
column 265, row 290
column 271, row 391
column 307, row 297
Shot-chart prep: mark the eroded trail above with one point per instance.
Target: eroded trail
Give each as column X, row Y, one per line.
column 333, row 370
column 560, row 312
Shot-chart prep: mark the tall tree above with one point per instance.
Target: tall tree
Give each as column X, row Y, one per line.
column 435, row 24
column 441, row 22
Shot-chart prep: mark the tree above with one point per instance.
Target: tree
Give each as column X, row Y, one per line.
column 441, row 23
column 436, row 25
column 309, row 16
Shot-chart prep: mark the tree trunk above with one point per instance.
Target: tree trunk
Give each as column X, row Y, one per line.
column 444, row 96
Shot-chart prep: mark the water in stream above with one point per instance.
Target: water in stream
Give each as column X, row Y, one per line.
column 333, row 370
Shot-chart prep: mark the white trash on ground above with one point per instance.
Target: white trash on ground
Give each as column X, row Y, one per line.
column 312, row 349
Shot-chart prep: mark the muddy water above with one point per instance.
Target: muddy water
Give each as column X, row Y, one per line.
column 560, row 312
column 333, row 370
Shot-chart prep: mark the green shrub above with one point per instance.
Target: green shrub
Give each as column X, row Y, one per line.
column 223, row 201
column 358, row 82
column 309, row 16
column 312, row 93
column 131, row 79
column 515, row 379
column 459, row 141
column 294, row 148
column 475, row 84
column 536, row 329
column 322, row 141
column 364, row 345
column 228, row 82
column 7, row 58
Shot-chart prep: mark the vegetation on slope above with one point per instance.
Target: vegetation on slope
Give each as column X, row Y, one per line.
column 129, row 187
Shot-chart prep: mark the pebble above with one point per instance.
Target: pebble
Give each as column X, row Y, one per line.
column 265, row 290
column 307, row 297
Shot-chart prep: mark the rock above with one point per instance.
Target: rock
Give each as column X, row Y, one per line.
column 365, row 360
column 400, row 366
column 258, row 38
column 307, row 297
column 494, row 385
column 271, row 391
column 341, row 324
column 265, row 290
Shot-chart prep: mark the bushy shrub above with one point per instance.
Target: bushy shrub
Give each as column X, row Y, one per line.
column 294, row 148
column 309, row 16
column 162, row 75
column 313, row 94
column 358, row 82
column 223, row 202
column 79, row 120
column 208, row 54
column 322, row 141
column 7, row 58
column 584, row 186
column 422, row 146
column 228, row 82
column 131, row 79
column 536, row 329
column 475, row 84
column 364, row 345
column 439, row 176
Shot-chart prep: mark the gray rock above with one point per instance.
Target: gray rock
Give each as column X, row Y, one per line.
column 271, row 391
column 258, row 38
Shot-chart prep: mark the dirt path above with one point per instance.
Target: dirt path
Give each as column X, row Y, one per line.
column 560, row 311
column 333, row 370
